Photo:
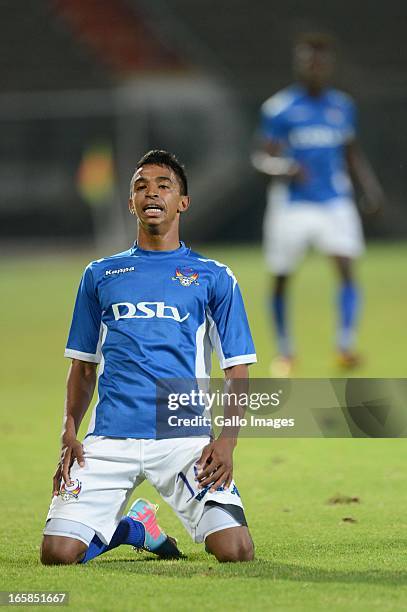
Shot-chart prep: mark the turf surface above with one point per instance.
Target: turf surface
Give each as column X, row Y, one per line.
column 308, row 558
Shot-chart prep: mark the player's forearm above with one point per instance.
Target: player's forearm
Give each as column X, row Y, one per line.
column 236, row 382
column 362, row 173
column 80, row 387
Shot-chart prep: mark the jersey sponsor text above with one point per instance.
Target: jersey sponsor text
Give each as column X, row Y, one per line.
column 147, row 310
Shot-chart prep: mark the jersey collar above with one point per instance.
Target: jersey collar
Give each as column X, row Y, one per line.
column 302, row 91
column 182, row 250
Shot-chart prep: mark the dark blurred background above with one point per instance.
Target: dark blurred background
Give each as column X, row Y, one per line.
column 89, row 85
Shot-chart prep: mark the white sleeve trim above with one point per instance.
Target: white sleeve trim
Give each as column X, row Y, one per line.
column 238, row 360
column 73, row 354
column 221, row 265
column 278, row 103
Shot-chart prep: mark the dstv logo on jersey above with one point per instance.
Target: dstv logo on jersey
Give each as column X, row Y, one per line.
column 316, row 136
column 147, row 310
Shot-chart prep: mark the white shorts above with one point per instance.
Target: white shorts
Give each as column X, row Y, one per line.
column 114, row 467
column 289, row 229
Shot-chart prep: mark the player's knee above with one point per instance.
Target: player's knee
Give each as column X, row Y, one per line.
column 54, row 556
column 247, row 551
column 55, row 551
column 242, row 550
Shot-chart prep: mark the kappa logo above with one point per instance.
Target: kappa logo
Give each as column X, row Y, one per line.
column 119, row 271
column 186, row 276
column 71, row 491
column 147, row 310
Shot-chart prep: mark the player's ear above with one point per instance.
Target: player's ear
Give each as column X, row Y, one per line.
column 183, row 204
column 131, row 207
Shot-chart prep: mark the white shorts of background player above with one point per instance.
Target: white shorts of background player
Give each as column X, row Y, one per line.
column 333, row 228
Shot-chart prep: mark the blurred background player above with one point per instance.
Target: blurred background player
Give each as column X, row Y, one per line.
column 308, row 145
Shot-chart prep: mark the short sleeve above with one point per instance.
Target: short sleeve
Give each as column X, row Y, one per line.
column 273, row 127
column 83, row 339
column 229, row 329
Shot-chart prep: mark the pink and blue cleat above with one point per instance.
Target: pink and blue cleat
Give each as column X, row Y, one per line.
column 155, row 540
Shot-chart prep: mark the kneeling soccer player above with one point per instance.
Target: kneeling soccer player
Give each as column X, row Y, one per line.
column 149, row 313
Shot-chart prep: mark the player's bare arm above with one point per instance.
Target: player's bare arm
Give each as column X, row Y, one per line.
column 216, row 461
column 80, row 387
column 363, row 175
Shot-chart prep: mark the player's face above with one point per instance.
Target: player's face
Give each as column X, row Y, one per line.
column 156, row 198
column 313, row 66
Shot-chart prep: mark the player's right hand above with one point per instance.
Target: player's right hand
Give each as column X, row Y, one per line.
column 70, row 451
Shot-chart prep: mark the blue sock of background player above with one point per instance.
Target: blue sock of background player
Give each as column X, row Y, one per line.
column 128, row 532
column 279, row 314
column 348, row 304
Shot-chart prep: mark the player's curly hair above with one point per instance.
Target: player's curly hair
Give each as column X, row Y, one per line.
column 159, row 157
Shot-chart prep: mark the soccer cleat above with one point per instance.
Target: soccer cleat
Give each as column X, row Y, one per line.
column 155, row 540
column 281, row 366
column 347, row 360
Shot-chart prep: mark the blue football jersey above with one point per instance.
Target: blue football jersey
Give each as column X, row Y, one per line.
column 313, row 131
column 149, row 315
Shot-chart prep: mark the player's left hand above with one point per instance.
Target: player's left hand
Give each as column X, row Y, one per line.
column 215, row 466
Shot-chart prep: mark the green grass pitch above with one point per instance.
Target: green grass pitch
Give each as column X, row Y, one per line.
column 308, row 558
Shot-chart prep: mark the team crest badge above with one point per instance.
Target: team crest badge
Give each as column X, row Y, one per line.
column 186, row 276
column 71, row 491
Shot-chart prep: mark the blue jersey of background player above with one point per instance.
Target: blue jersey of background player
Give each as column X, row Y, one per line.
column 312, row 133
column 308, row 145
column 152, row 312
